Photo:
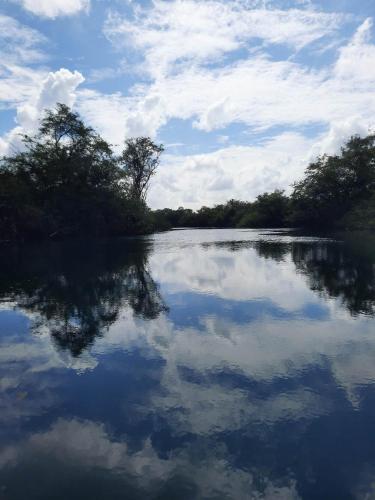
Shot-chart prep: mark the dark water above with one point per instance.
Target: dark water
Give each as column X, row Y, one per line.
column 213, row 364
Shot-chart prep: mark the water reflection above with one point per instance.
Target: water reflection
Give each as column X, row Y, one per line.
column 342, row 267
column 194, row 364
column 345, row 270
column 76, row 292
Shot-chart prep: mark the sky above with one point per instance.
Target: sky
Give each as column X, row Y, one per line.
column 242, row 93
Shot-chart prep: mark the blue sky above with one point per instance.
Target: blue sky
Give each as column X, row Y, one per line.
column 243, row 93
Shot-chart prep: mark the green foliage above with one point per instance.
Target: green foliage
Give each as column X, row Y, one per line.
column 361, row 216
column 68, row 182
column 269, row 210
column 336, row 191
column 139, row 161
column 333, row 185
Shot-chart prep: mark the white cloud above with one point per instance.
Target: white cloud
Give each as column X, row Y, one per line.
column 262, row 93
column 58, row 86
column 18, row 84
column 226, row 73
column 55, row 8
column 19, row 43
column 246, row 170
column 223, row 183
column 107, row 113
column 117, row 117
column 210, row 83
column 356, row 60
column 338, row 133
column 212, row 29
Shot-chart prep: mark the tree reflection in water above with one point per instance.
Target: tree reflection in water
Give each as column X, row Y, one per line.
column 342, row 268
column 344, row 271
column 77, row 290
column 251, row 388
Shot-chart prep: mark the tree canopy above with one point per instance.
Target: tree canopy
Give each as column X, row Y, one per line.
column 67, row 181
column 337, row 191
column 139, row 161
column 334, row 185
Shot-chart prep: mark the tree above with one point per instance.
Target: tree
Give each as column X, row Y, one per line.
column 69, row 177
column 67, row 152
column 268, row 210
column 67, row 181
column 333, row 185
column 272, row 209
column 139, row 160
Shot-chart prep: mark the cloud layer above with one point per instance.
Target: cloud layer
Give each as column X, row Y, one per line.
column 281, row 81
column 55, row 8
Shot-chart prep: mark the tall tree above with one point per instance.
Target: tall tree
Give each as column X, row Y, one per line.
column 66, row 152
column 140, row 159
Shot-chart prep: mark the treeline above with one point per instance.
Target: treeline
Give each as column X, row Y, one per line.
column 269, row 210
column 67, row 182
column 336, row 192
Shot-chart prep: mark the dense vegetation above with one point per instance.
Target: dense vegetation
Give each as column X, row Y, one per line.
column 268, row 210
column 336, row 192
column 67, row 182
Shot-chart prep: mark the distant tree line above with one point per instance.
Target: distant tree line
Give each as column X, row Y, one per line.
column 67, row 182
column 268, row 210
column 336, row 191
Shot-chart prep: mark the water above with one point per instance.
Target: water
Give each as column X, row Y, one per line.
column 197, row 364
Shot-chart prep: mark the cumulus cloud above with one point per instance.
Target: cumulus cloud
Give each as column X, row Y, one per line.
column 107, row 113
column 338, row 133
column 29, row 90
column 227, row 74
column 223, row 183
column 58, row 86
column 245, row 171
column 55, row 8
column 118, row 117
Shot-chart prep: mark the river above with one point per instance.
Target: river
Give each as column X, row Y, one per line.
column 191, row 364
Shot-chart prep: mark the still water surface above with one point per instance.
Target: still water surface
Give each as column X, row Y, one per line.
column 197, row 364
